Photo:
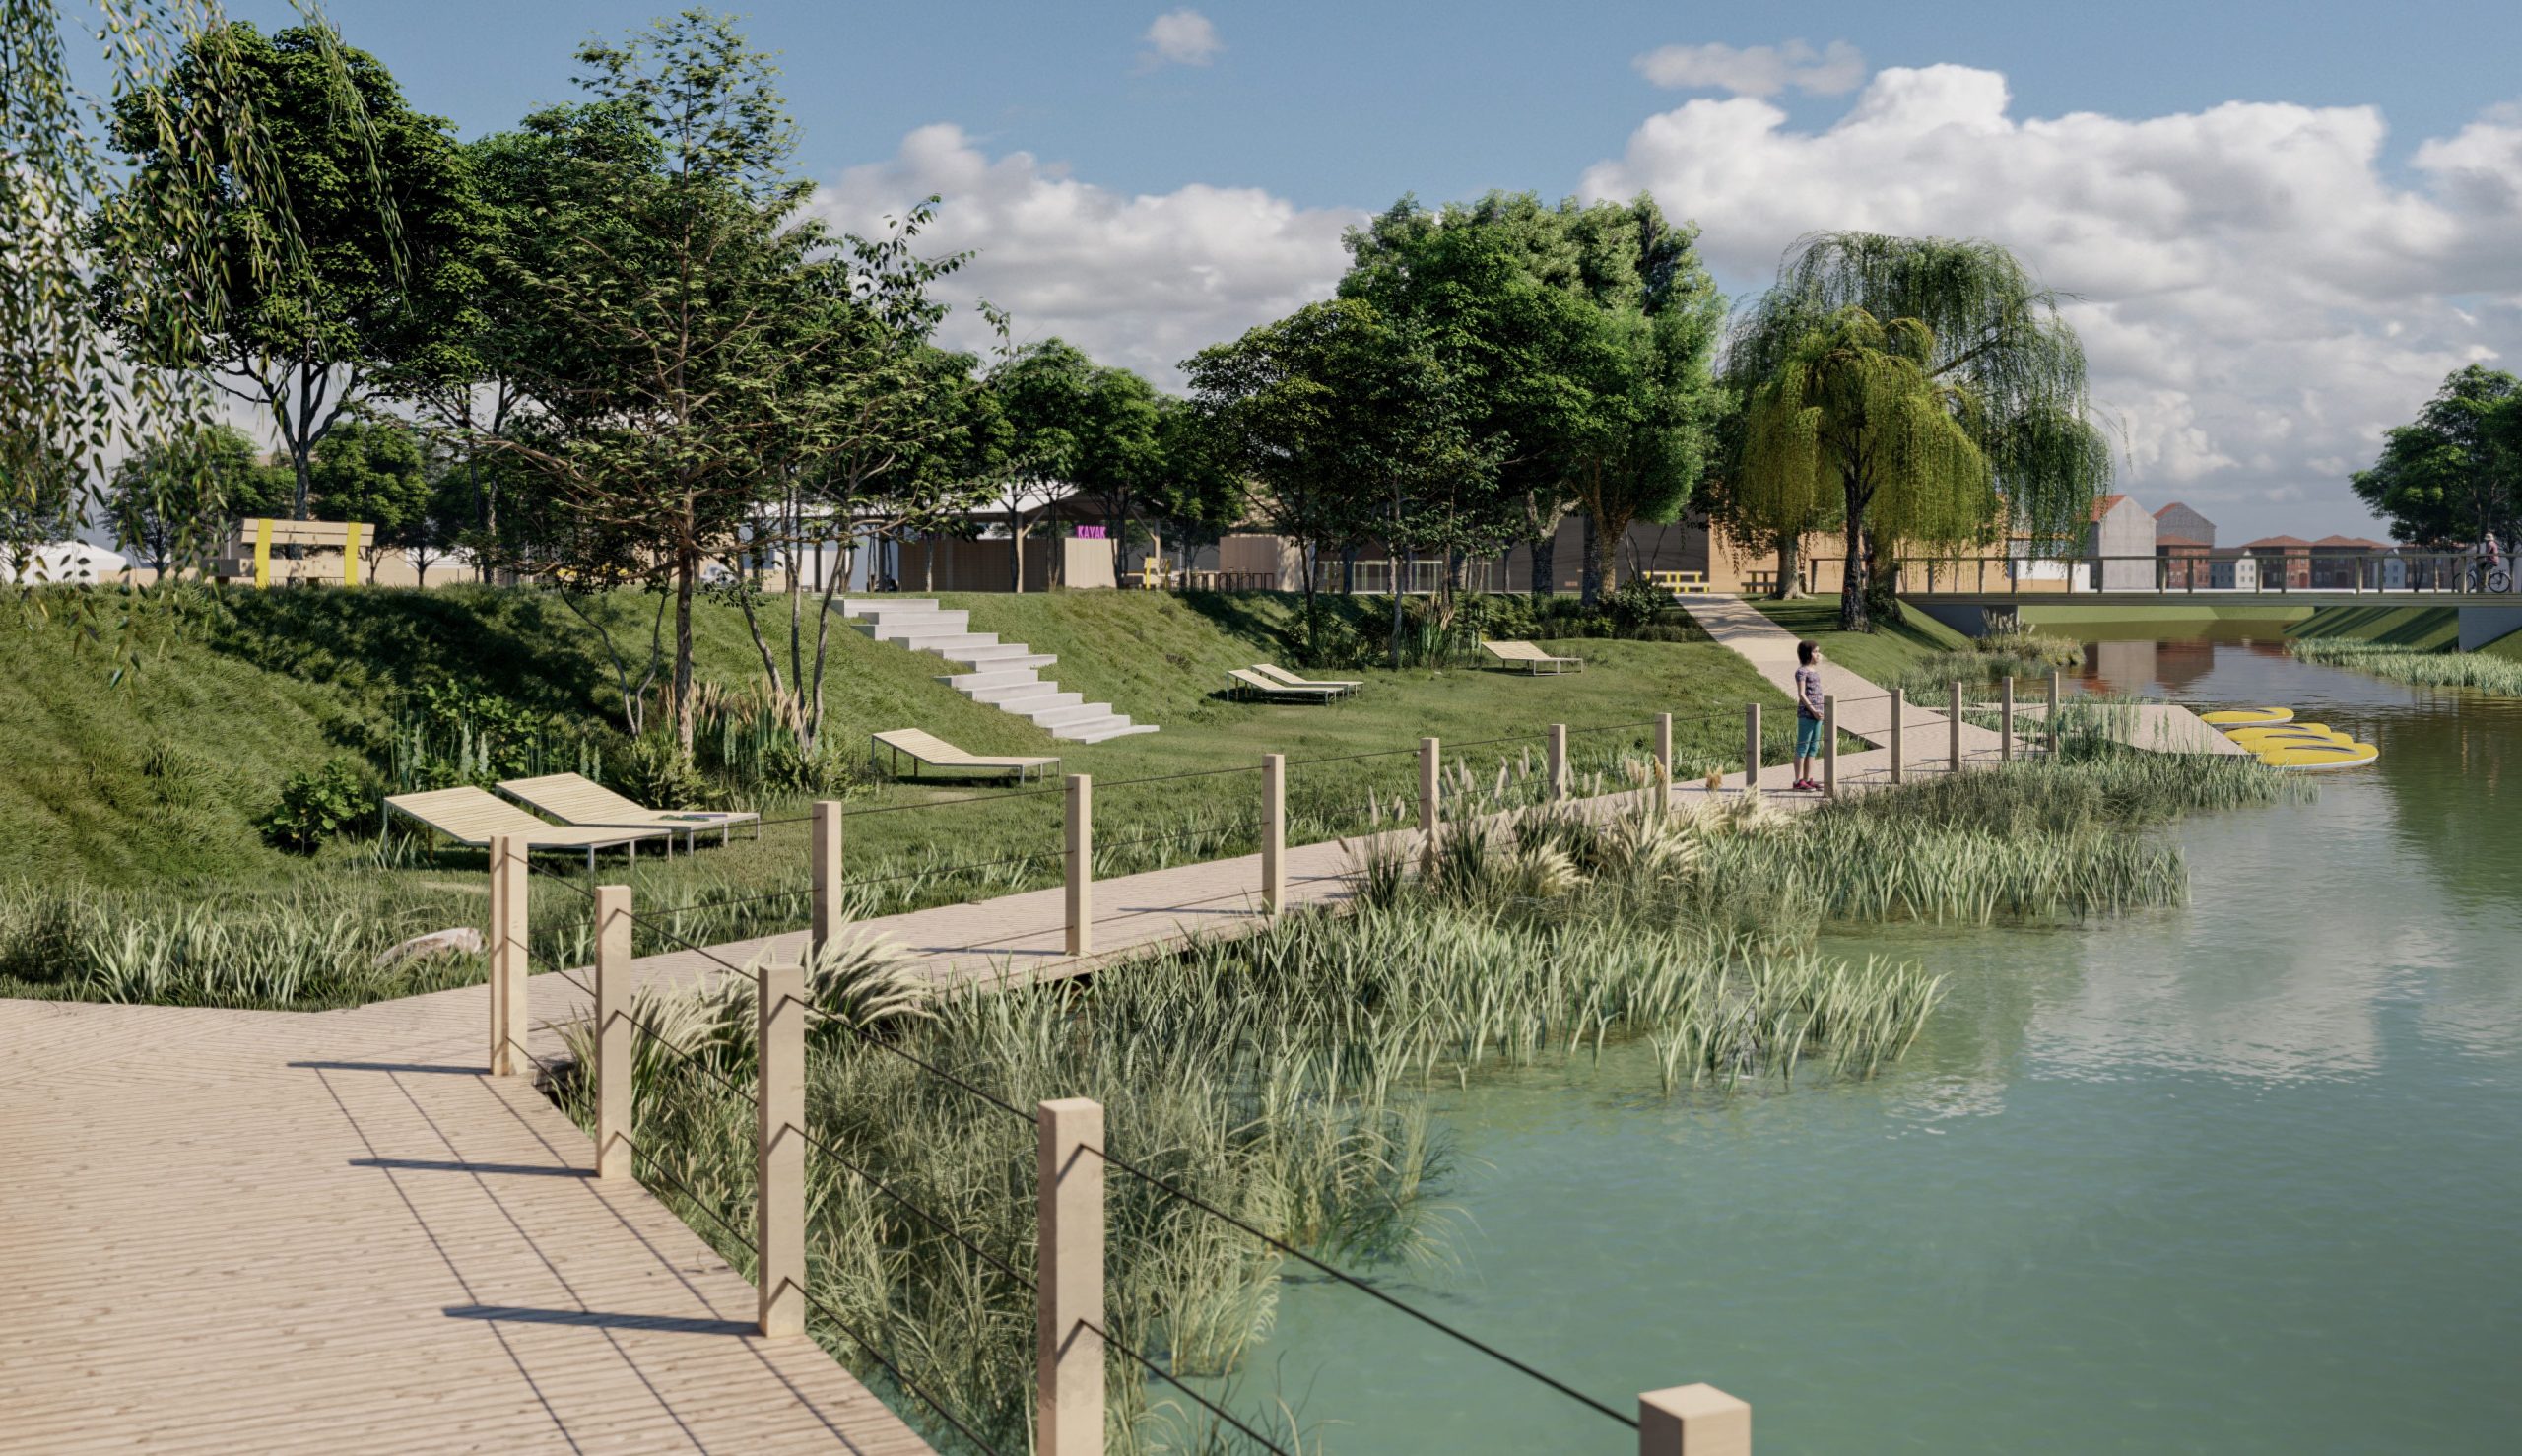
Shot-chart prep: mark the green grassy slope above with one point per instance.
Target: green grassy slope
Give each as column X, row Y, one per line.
column 155, row 780
column 157, row 777
column 2431, row 627
column 1880, row 656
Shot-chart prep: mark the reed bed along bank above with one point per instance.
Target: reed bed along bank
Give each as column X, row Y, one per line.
column 1283, row 1075
column 1287, row 1075
column 2418, row 667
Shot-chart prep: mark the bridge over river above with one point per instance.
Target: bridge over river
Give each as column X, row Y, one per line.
column 1975, row 594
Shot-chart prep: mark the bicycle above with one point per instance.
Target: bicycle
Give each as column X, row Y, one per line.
column 2489, row 580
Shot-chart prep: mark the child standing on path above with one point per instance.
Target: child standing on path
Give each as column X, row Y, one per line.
column 1808, row 713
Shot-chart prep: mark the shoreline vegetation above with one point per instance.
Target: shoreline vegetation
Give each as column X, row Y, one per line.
column 2417, row 667
column 1286, row 1075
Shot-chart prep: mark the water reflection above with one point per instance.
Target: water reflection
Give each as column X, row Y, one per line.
column 2252, row 1159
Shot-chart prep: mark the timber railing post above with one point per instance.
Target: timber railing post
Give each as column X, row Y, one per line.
column 1274, row 831
column 1899, row 701
column 509, row 1020
column 2005, row 721
column 1431, row 804
column 1829, row 747
column 1557, row 761
column 614, row 1136
column 1663, row 763
column 1068, row 1294
column 2053, row 712
column 1080, row 864
column 1693, row 1420
column 780, row 1146
column 1953, row 722
column 1751, row 747
column 824, row 852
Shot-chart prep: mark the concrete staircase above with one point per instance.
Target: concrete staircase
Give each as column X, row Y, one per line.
column 1004, row 675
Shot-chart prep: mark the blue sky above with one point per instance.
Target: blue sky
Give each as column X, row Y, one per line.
column 1354, row 103
column 2283, row 224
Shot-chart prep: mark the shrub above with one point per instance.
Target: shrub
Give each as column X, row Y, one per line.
column 655, row 772
column 313, row 807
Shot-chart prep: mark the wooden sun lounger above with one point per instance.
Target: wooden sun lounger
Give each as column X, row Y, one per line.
column 1243, row 683
column 931, row 752
column 581, row 802
column 473, row 819
column 1287, row 679
column 1531, row 658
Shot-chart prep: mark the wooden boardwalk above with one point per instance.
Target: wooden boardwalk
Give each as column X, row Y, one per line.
column 271, row 1231
column 1865, row 708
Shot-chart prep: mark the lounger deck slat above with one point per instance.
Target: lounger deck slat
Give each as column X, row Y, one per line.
column 1253, row 681
column 936, row 753
column 574, row 799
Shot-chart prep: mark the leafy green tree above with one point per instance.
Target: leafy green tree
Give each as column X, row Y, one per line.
column 39, row 504
column 1854, row 409
column 660, row 306
column 1842, row 329
column 1198, row 494
column 1074, row 425
column 2454, row 474
column 168, row 500
column 1273, row 405
column 1580, row 338
column 374, row 194
column 373, row 469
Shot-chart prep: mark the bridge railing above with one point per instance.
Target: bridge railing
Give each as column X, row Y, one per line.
column 2462, row 573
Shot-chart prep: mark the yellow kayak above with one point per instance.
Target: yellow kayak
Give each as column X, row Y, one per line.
column 2319, row 755
column 2290, row 733
column 2245, row 717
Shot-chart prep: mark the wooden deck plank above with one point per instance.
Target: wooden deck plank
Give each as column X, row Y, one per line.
column 271, row 1231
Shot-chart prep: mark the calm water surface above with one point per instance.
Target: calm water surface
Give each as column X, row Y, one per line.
column 2240, row 1177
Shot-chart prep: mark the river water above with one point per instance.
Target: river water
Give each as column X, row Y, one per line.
column 2244, row 1176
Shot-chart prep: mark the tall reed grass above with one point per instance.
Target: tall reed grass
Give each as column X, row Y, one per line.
column 2416, row 666
column 1284, row 1076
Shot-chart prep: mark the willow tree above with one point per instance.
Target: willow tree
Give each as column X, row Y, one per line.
column 73, row 398
column 1854, row 408
column 1960, row 329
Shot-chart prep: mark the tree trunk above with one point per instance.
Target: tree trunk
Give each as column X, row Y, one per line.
column 1606, row 545
column 1852, row 583
column 1398, row 567
column 1349, row 571
column 1545, row 565
column 687, row 571
column 1591, row 587
column 1790, row 550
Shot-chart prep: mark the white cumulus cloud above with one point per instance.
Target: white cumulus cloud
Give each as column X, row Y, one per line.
column 2259, row 298
column 1755, row 70
column 1180, row 38
column 1144, row 281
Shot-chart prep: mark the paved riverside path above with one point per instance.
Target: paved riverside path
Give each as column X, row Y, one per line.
column 1865, row 710
column 277, row 1231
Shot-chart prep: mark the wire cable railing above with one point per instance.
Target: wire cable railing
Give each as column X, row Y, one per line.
column 1353, row 1281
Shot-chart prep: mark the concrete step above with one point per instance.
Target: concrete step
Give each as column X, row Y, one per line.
column 1011, row 660
column 941, row 640
column 944, row 624
column 993, row 676
column 881, row 622
column 1004, row 654
column 894, row 629
column 1059, row 716
column 869, row 606
column 1101, row 731
column 1034, row 694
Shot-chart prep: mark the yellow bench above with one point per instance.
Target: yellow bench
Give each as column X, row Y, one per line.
column 248, row 554
column 1679, row 583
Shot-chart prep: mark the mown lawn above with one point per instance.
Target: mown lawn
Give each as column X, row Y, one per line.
column 147, row 786
column 1880, row 656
